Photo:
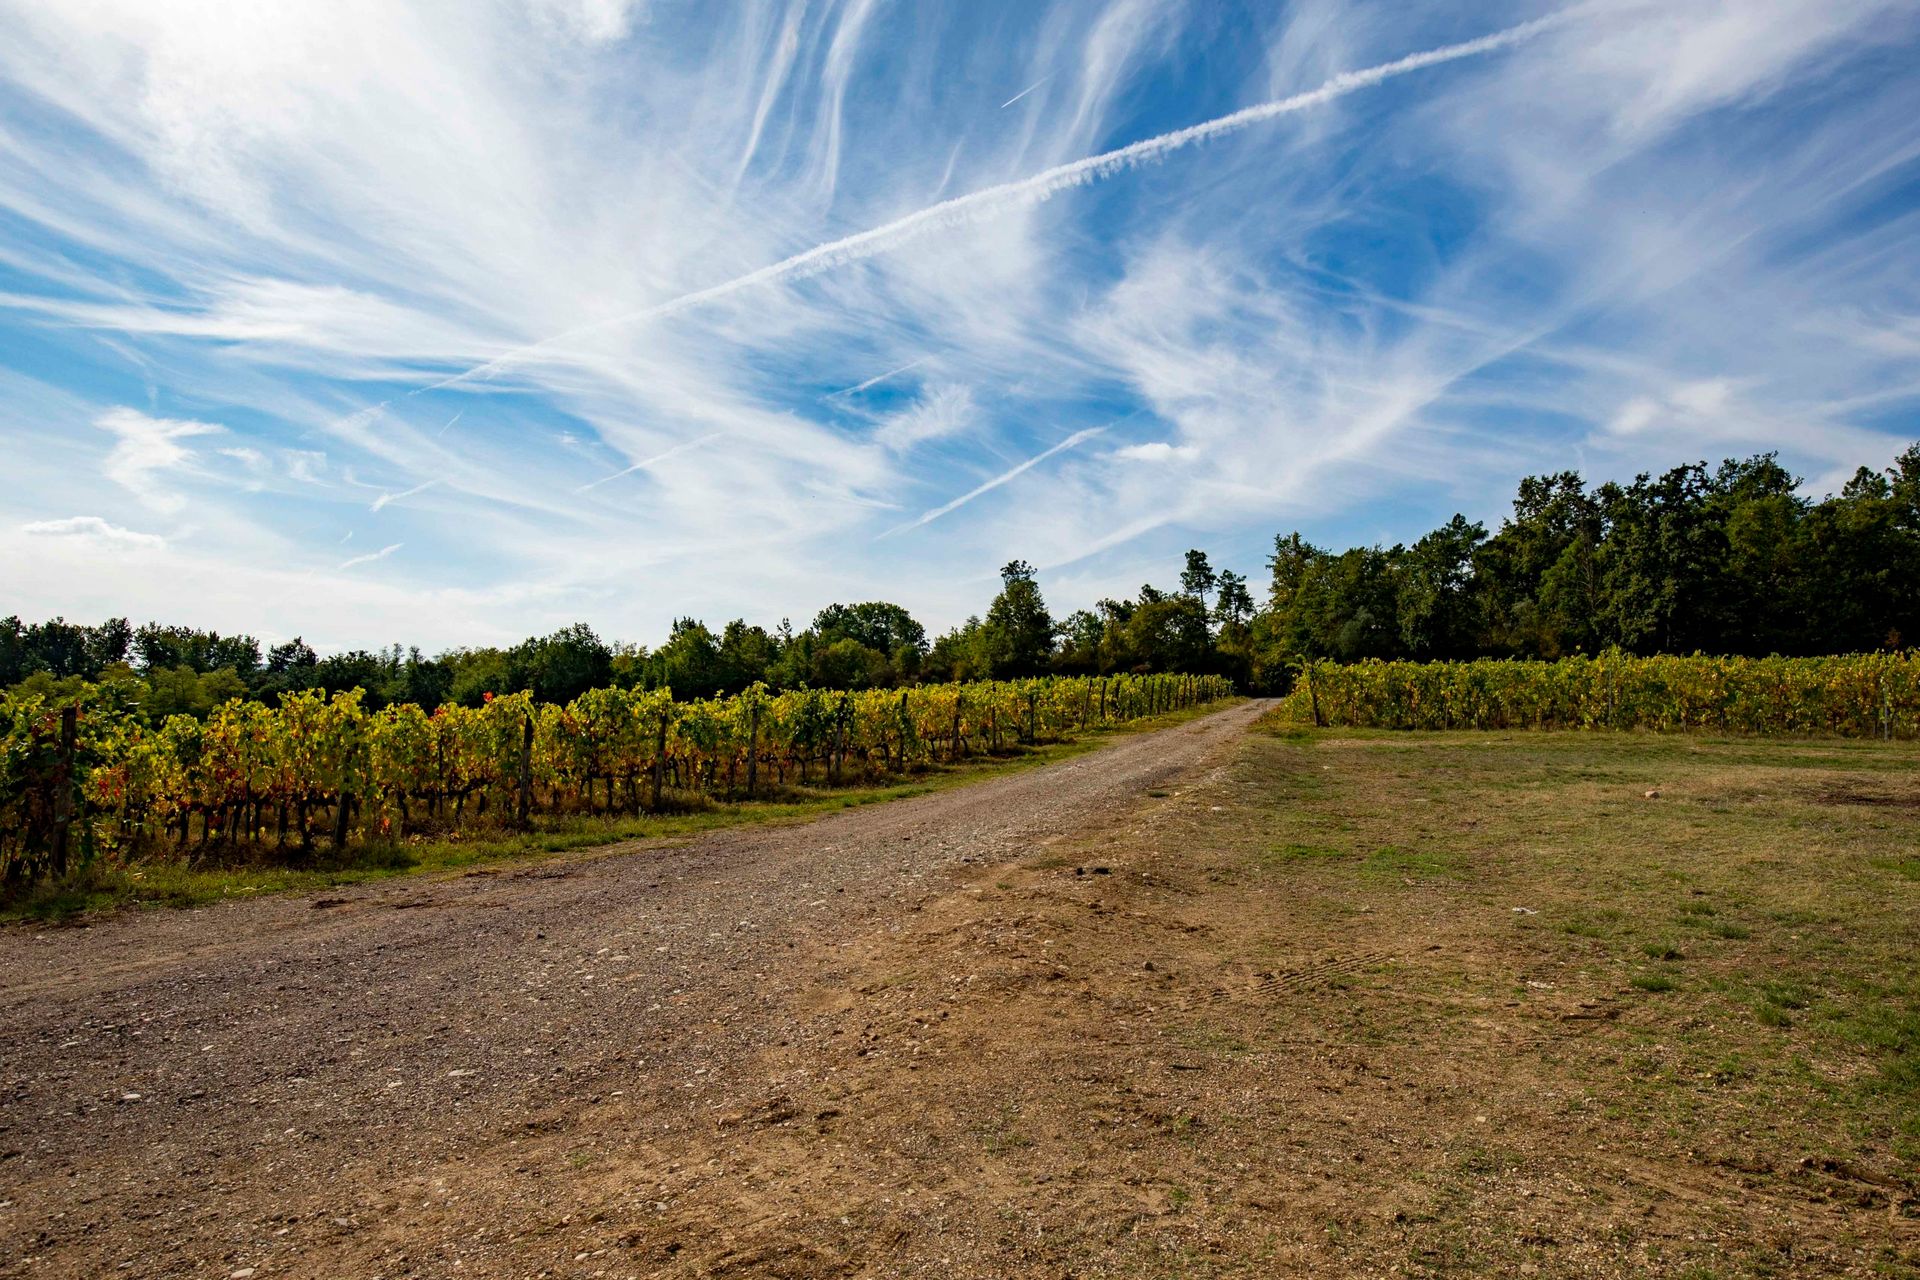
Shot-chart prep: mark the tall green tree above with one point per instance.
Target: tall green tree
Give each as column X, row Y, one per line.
column 1235, row 604
column 1434, row 603
column 1198, row 578
column 1018, row 632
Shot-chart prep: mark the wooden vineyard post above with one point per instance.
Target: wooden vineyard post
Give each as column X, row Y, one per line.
column 957, row 700
column 63, row 790
column 659, row 759
column 342, row 811
column 903, row 731
column 753, row 747
column 839, row 738
column 1313, row 697
column 524, row 775
column 1103, row 699
column 1033, row 737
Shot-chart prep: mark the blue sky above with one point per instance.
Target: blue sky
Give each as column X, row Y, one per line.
column 451, row 323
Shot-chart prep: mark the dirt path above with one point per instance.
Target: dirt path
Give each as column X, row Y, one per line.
column 522, row 1072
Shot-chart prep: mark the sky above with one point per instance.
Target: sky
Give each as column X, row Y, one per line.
column 453, row 323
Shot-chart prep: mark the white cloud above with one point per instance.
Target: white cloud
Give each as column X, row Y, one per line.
column 289, row 212
column 1156, row 451
column 1635, row 416
column 148, row 449
column 95, row 529
column 304, row 466
column 943, row 410
column 596, row 21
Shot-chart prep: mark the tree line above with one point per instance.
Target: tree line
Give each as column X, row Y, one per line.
column 1732, row 560
column 1729, row 560
column 851, row 647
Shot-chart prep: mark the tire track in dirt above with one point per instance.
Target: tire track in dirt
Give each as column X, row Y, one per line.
column 1269, row 985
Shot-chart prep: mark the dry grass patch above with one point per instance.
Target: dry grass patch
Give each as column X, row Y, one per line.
column 1363, row 1004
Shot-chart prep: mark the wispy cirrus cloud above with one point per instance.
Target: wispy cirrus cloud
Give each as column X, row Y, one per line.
column 713, row 304
column 1037, row 188
column 146, row 450
column 93, row 528
column 943, row 410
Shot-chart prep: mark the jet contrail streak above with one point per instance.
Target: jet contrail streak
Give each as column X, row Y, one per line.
column 381, row 554
column 1032, row 190
column 877, row 379
column 996, row 482
column 387, row 499
column 1024, row 92
column 647, row 462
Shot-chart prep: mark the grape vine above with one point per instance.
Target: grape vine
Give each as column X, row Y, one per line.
column 282, row 781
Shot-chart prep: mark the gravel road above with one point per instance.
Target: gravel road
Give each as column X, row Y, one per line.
column 313, row 1085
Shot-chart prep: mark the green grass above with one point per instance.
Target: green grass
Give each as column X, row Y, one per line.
column 1394, row 861
column 1282, row 854
column 108, row 886
column 1752, row 913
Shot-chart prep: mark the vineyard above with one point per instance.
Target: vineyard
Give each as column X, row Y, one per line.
column 92, row 777
column 1868, row 695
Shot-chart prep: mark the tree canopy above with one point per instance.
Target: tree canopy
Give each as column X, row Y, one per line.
column 1733, row 559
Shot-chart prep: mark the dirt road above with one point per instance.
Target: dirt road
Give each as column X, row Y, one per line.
column 534, row 1071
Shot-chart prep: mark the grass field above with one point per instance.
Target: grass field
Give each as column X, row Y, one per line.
column 1369, row 1003
column 1756, row 903
column 1658, row 997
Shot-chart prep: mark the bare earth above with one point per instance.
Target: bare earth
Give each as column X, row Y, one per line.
column 439, row 1077
column 1049, row 1025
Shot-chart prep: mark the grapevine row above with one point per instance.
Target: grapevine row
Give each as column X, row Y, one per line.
column 1865, row 695
column 91, row 776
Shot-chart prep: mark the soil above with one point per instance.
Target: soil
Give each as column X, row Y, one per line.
column 1042, row 1025
column 466, row 1075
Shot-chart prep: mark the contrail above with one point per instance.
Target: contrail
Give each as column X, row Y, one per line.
column 647, row 462
column 450, row 421
column 1035, row 189
column 876, row 379
column 387, row 498
column 1024, row 92
column 996, row 482
column 381, row 554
